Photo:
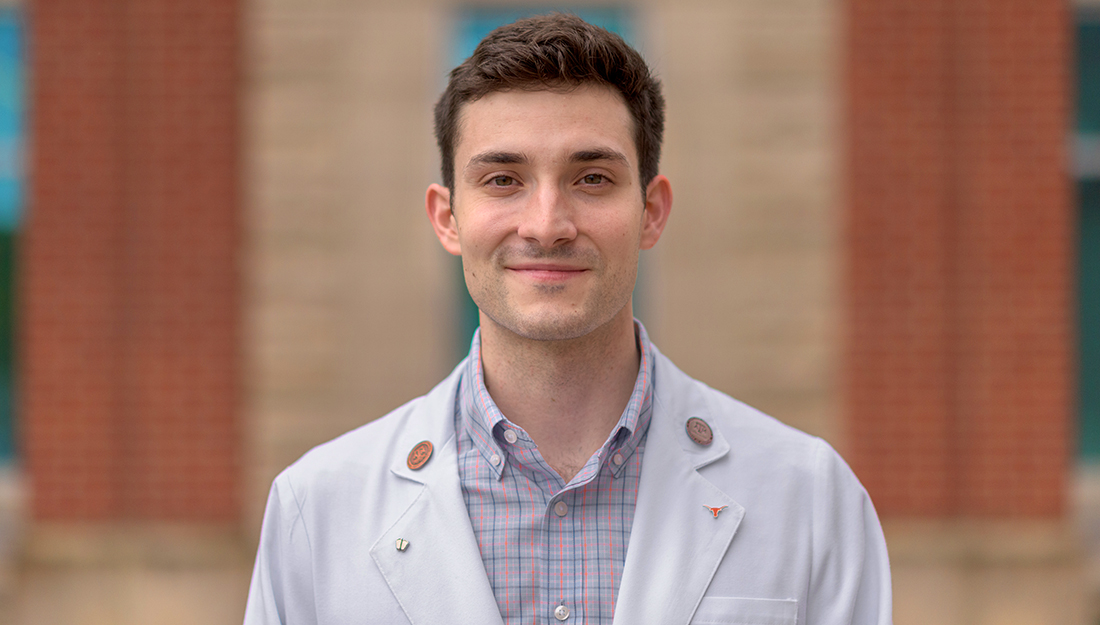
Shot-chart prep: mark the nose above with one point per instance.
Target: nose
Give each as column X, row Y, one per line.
column 547, row 218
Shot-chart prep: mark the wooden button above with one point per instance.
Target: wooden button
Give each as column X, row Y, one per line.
column 421, row 454
column 699, row 431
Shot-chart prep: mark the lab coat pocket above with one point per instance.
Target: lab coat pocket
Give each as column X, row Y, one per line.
column 745, row 611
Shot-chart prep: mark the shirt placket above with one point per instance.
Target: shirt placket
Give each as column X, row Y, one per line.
column 566, row 516
column 525, row 459
column 559, row 595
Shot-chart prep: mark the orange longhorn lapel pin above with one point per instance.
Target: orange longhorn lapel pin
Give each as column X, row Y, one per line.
column 715, row 511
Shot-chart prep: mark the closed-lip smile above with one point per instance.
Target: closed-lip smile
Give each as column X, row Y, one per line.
column 546, row 271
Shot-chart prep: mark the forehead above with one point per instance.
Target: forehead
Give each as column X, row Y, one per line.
column 545, row 123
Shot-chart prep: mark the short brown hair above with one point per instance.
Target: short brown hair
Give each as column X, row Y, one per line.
column 551, row 52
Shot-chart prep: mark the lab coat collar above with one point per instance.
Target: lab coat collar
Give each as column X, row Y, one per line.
column 676, row 543
column 441, row 578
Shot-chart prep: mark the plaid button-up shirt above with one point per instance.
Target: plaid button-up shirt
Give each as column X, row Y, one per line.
column 550, row 549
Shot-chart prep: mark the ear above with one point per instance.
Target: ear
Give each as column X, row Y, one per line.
column 658, row 204
column 438, row 203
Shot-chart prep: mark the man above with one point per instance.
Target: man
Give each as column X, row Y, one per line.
column 566, row 471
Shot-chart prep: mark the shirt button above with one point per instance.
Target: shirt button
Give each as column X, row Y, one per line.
column 617, row 459
column 510, row 436
column 560, row 509
column 561, row 613
column 494, row 460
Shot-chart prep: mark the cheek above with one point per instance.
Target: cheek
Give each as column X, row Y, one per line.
column 624, row 233
column 479, row 236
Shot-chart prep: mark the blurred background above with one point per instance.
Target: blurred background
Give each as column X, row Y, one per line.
column 213, row 256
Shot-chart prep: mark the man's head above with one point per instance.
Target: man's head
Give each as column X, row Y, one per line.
column 557, row 52
column 552, row 188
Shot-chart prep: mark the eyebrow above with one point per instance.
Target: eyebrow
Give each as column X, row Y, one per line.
column 513, row 158
column 598, row 154
column 496, row 158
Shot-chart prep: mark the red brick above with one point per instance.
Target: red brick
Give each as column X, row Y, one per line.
column 959, row 224
column 129, row 270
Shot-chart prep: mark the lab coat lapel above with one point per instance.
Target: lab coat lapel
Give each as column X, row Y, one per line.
column 439, row 577
column 676, row 543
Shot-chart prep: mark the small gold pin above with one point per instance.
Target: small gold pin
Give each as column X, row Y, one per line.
column 715, row 511
column 402, row 544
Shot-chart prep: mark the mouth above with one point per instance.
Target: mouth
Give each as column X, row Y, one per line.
column 546, row 272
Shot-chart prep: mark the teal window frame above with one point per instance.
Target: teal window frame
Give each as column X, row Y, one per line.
column 12, row 151
column 1087, row 166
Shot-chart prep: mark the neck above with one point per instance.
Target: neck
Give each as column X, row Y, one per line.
column 567, row 395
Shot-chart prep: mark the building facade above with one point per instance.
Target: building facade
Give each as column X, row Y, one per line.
column 225, row 261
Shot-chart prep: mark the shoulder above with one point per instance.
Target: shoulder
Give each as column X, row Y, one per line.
column 761, row 462
column 359, row 448
column 753, row 454
column 370, row 450
column 748, row 431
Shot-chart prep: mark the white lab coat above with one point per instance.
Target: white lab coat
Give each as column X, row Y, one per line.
column 799, row 542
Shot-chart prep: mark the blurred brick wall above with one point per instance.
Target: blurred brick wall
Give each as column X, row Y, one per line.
column 959, row 280
column 129, row 285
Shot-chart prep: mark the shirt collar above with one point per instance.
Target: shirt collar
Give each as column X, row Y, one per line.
column 485, row 423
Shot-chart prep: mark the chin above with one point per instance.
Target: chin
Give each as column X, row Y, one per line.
column 551, row 325
column 554, row 332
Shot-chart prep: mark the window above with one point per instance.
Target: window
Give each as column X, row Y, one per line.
column 11, row 206
column 1087, row 165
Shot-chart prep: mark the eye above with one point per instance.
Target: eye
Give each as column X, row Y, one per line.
column 502, row 181
column 593, row 179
